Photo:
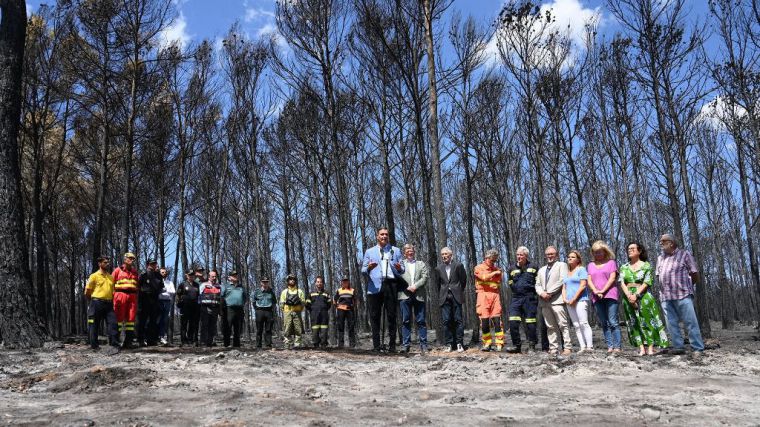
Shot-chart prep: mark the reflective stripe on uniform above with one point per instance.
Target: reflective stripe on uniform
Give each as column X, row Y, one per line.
column 528, row 320
column 517, row 319
column 318, row 326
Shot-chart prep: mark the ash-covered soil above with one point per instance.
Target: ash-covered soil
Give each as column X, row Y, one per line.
column 68, row 384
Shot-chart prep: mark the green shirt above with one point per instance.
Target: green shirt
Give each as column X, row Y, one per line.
column 628, row 277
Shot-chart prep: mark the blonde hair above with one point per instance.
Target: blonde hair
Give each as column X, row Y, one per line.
column 600, row 245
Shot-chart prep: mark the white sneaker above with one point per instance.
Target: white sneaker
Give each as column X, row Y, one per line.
column 164, row 341
column 460, row 349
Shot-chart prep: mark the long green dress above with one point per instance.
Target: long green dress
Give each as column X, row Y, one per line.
column 645, row 327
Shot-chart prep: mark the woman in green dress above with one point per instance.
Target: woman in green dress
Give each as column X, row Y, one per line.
column 645, row 327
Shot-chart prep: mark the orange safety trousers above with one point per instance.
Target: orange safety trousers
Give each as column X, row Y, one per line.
column 488, row 304
column 125, row 306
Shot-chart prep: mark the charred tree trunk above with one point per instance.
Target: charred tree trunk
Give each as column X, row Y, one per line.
column 19, row 326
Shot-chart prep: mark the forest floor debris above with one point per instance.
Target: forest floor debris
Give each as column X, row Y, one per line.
column 72, row 385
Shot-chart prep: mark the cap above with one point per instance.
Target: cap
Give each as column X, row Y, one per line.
column 129, row 255
column 291, row 277
column 345, row 279
column 264, row 279
column 199, row 269
column 152, row 261
column 189, row 272
column 233, row 273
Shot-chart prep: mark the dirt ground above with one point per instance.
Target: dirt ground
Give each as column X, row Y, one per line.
column 68, row 384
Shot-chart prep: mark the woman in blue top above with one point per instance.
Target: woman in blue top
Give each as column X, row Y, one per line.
column 575, row 294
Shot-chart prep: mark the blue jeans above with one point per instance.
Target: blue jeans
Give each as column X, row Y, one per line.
column 607, row 312
column 453, row 324
column 409, row 307
column 683, row 310
column 165, row 306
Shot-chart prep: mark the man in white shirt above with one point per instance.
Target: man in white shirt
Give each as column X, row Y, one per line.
column 166, row 301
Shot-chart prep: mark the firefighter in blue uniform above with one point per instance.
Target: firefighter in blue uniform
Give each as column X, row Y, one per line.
column 318, row 304
column 524, row 304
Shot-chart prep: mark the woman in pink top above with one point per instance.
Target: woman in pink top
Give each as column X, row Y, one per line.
column 603, row 286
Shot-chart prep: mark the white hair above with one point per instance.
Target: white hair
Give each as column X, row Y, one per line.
column 523, row 250
column 447, row 250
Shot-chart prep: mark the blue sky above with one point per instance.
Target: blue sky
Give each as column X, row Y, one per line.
column 208, row 19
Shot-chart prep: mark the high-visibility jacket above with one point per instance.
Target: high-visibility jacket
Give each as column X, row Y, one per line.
column 490, row 285
column 292, row 300
column 344, row 299
column 125, row 280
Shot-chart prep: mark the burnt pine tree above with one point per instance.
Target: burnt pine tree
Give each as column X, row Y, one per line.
column 19, row 326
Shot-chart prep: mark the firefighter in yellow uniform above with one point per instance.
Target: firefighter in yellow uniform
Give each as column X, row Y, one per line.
column 99, row 292
column 292, row 301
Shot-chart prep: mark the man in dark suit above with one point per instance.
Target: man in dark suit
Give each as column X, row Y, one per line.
column 450, row 280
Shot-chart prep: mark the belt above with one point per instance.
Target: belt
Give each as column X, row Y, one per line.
column 101, row 299
column 126, row 291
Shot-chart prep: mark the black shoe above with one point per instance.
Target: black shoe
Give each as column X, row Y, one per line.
column 532, row 347
column 513, row 350
column 677, row 351
column 392, row 349
column 405, row 349
column 485, row 348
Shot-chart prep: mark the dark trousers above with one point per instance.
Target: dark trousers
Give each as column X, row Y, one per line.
column 264, row 323
column 189, row 318
column 523, row 308
column 148, row 314
column 233, row 325
column 411, row 307
column 453, row 322
column 209, row 316
column 343, row 318
column 387, row 299
column 97, row 311
column 320, row 321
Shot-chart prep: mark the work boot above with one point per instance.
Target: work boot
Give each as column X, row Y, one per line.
column 499, row 348
column 486, row 348
column 514, row 350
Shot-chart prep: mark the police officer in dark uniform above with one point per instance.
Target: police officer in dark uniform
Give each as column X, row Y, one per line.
column 151, row 285
column 189, row 310
column 319, row 303
column 524, row 304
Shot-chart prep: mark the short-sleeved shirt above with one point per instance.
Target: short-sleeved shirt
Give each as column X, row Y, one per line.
column 573, row 283
column 599, row 275
column 643, row 275
column 101, row 285
column 673, row 272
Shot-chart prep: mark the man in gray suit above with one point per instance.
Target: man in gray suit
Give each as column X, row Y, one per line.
column 412, row 300
column 450, row 281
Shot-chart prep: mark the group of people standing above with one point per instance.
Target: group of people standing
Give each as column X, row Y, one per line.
column 139, row 306
column 563, row 292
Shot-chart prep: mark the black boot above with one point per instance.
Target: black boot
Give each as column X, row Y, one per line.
column 513, row 350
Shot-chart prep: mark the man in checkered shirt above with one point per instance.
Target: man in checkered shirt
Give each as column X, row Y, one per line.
column 677, row 273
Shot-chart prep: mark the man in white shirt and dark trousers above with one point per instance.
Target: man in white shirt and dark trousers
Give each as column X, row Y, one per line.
column 166, row 302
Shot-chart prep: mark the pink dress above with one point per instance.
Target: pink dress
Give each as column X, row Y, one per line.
column 599, row 277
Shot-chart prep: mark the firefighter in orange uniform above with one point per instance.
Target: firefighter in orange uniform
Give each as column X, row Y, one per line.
column 125, row 298
column 488, row 305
